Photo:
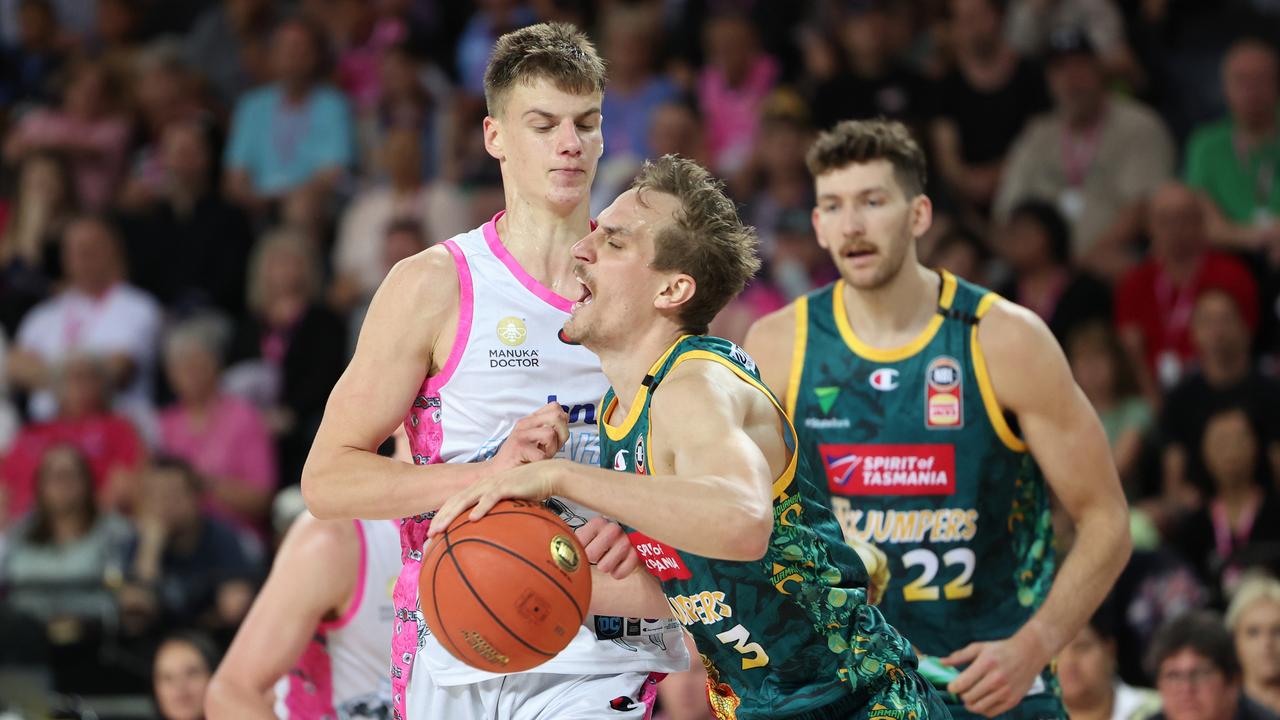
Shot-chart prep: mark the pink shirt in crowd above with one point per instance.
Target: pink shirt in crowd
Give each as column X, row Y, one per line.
column 733, row 113
column 233, row 444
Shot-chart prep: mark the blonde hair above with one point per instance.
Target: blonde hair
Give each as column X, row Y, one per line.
column 1255, row 587
column 286, row 240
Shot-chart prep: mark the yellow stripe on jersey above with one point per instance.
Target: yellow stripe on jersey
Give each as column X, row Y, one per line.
column 989, row 400
column 800, row 344
column 888, row 355
column 619, row 433
column 788, row 475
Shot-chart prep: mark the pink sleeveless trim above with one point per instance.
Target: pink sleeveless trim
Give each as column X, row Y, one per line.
column 311, row 682
column 500, row 251
column 426, row 438
column 649, row 693
column 358, row 597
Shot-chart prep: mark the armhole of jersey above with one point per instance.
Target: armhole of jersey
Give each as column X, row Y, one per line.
column 800, row 340
column 995, row 415
column 782, row 482
column 357, row 594
column 466, row 313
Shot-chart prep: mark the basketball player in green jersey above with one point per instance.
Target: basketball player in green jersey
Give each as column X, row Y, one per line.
column 938, row 411
column 699, row 463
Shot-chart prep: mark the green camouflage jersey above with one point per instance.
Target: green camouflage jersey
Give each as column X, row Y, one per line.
column 919, row 460
column 790, row 635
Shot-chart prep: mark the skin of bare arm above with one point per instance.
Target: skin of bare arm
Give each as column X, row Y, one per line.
column 283, row 620
column 1031, row 378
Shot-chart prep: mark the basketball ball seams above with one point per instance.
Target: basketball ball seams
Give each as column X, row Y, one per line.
column 577, row 608
column 485, row 606
column 441, row 632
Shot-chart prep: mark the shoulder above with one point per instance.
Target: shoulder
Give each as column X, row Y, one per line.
column 427, row 281
column 328, row 99
column 1136, row 116
column 1011, row 336
column 696, row 388
column 780, row 323
column 136, row 300
column 329, row 539
column 257, row 101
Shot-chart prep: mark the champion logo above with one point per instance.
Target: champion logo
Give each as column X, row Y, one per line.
column 640, row 455
column 620, row 461
column 885, row 379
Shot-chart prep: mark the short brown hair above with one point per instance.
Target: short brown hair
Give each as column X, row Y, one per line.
column 705, row 239
column 555, row 51
column 864, row 141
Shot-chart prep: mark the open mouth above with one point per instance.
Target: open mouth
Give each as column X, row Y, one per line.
column 584, row 298
column 857, row 252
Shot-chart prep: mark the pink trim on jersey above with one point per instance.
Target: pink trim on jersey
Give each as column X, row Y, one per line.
column 358, row 597
column 426, row 438
column 311, row 682
column 500, row 251
column 466, row 312
column 649, row 693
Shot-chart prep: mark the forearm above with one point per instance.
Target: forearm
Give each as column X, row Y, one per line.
column 350, row 483
column 1099, row 554
column 637, row 595
column 676, row 510
column 232, row 698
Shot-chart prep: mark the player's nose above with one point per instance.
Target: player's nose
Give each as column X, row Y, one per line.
column 584, row 250
column 567, row 140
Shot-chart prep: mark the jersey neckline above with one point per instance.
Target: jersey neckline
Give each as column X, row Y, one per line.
column 946, row 296
column 521, row 275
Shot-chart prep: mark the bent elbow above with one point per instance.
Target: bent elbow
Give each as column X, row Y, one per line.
column 753, row 539
column 314, row 495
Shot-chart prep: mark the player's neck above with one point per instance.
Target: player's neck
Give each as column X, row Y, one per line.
column 539, row 240
column 626, row 365
column 894, row 313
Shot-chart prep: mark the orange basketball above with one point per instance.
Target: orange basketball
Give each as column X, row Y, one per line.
column 506, row 592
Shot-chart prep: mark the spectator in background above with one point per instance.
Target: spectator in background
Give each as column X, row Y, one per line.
column 1096, row 156
column 960, row 251
column 982, row 104
column 97, row 313
column 1241, row 518
column 413, row 97
column 361, row 39
column 631, row 35
column 403, row 238
column 775, row 178
column 165, row 93
column 44, row 202
column 873, row 81
column 1091, row 687
column 294, row 136
column 60, row 558
column 87, row 127
column 229, row 45
column 358, row 255
column 222, row 436
column 185, row 567
column 10, row 422
column 1031, row 23
column 116, row 36
column 109, row 442
column 187, row 245
column 1154, row 301
column 1099, row 366
column 1036, row 244
column 28, row 66
column 180, row 675
column 676, row 129
column 291, row 348
column 1226, row 377
column 1236, row 160
column 732, row 88
column 1196, row 669
column 1253, row 617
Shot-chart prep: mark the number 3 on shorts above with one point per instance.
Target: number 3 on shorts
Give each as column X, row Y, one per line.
column 754, row 655
column 920, row 588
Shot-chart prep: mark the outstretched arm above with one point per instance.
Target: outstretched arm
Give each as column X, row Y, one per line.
column 716, row 449
column 1031, row 378
column 282, row 619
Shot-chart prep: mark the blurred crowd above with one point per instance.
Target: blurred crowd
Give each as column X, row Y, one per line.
column 198, row 199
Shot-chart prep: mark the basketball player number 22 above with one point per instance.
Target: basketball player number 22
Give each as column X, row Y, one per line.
column 754, row 655
column 921, row 589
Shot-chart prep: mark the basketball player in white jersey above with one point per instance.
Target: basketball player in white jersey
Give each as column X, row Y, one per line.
column 460, row 343
column 318, row 632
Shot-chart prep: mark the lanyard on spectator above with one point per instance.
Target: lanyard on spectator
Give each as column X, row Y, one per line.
column 1079, row 151
column 1223, row 537
column 1175, row 304
column 78, row 319
column 1264, row 174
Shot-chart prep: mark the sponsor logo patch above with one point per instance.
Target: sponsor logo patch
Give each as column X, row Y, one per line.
column 944, row 394
column 925, row 469
column 661, row 560
column 512, row 331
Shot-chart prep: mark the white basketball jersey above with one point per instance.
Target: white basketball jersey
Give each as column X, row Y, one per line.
column 508, row 360
column 342, row 673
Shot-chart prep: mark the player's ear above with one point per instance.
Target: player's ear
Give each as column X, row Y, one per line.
column 493, row 138
column 921, row 215
column 813, row 220
column 677, row 291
